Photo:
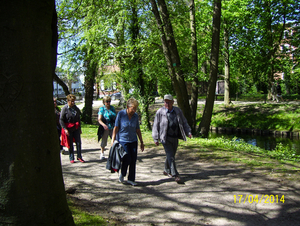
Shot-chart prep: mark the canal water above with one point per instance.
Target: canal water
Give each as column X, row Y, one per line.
column 265, row 142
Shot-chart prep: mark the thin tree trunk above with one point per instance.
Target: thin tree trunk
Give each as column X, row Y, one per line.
column 61, row 83
column 89, row 82
column 31, row 183
column 144, row 97
column 227, row 66
column 195, row 83
column 209, row 105
column 172, row 57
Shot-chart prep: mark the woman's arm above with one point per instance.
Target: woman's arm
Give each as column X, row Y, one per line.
column 138, row 132
column 101, row 122
column 115, row 131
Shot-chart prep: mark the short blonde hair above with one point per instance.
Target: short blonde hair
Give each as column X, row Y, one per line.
column 132, row 102
column 106, row 98
column 71, row 97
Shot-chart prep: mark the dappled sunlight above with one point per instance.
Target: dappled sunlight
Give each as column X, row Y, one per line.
column 205, row 197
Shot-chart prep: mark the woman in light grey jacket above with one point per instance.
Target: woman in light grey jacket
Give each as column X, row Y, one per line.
column 169, row 126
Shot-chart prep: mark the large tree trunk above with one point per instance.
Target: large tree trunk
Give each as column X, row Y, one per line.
column 195, row 83
column 227, row 65
column 209, row 105
column 31, row 187
column 172, row 57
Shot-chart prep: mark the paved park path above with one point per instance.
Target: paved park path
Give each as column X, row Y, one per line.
column 210, row 194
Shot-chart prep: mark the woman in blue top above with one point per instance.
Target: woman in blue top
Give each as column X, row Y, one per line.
column 126, row 130
column 106, row 117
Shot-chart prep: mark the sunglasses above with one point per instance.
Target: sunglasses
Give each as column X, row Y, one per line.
column 107, row 101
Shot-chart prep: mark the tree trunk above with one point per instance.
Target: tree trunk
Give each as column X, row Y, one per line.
column 195, row 83
column 172, row 57
column 89, row 81
column 209, row 105
column 137, row 61
column 227, row 65
column 31, row 187
column 61, row 83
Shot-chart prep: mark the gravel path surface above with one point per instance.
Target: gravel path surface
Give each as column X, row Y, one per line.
column 210, row 194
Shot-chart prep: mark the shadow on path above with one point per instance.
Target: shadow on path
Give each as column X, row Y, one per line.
column 212, row 194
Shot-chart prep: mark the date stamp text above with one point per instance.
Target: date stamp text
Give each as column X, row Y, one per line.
column 268, row 199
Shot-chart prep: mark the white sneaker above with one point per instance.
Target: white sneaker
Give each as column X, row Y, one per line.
column 62, row 151
column 102, row 156
column 121, row 178
column 131, row 182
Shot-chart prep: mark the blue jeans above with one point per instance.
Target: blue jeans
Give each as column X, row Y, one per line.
column 129, row 159
column 76, row 135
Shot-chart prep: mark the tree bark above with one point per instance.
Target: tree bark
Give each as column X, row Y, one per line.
column 172, row 57
column 227, row 65
column 31, row 186
column 89, row 81
column 209, row 105
column 195, row 83
column 61, row 83
column 137, row 62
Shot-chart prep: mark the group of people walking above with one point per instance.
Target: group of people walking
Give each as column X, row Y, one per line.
column 124, row 128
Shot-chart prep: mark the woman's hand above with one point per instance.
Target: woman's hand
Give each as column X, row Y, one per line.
column 105, row 127
column 67, row 132
column 142, row 146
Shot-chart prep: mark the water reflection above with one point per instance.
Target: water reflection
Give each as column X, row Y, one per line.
column 265, row 142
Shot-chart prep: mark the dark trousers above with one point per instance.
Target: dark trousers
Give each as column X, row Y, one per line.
column 76, row 135
column 59, row 134
column 129, row 160
column 170, row 147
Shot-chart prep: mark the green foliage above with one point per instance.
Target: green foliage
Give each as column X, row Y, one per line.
column 284, row 153
column 258, row 116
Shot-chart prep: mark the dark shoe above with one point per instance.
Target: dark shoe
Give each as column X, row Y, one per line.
column 177, row 179
column 167, row 174
column 72, row 161
column 80, row 159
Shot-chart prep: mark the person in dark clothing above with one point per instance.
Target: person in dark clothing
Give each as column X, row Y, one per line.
column 71, row 129
column 58, row 126
column 278, row 91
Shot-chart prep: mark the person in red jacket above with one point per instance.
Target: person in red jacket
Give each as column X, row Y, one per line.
column 71, row 130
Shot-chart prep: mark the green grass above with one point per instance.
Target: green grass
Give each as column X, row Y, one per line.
column 262, row 97
column 89, row 131
column 281, row 117
column 281, row 160
column 82, row 218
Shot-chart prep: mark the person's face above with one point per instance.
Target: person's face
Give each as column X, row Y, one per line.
column 107, row 103
column 71, row 103
column 169, row 104
column 131, row 110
